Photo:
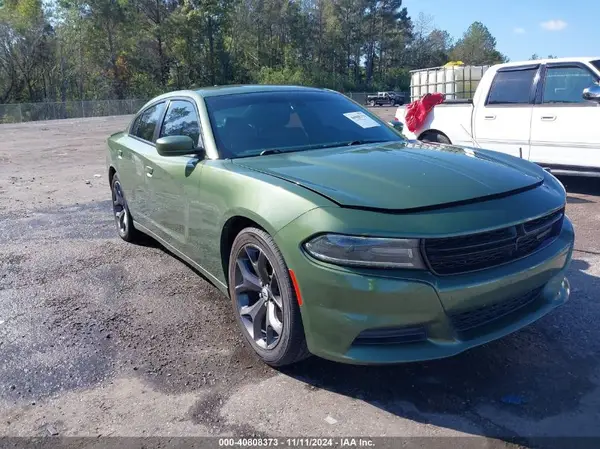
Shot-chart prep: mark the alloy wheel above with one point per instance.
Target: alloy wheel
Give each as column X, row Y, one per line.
column 119, row 208
column 258, row 297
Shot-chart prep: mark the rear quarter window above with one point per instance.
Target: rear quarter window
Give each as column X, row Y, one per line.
column 134, row 125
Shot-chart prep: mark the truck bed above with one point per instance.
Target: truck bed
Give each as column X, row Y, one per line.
column 455, row 115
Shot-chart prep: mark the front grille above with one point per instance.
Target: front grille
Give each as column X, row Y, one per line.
column 391, row 336
column 463, row 254
column 470, row 319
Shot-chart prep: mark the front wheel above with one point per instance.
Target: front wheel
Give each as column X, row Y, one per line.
column 263, row 299
column 372, row 103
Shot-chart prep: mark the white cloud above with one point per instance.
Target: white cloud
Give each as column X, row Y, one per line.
column 519, row 30
column 554, row 25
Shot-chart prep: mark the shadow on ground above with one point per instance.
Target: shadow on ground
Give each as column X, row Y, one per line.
column 581, row 185
column 542, row 371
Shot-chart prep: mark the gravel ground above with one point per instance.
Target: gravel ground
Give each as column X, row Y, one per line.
column 101, row 337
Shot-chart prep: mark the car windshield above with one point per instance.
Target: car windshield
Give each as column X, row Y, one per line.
column 596, row 64
column 271, row 122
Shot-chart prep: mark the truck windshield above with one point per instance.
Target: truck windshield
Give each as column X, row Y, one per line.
column 276, row 122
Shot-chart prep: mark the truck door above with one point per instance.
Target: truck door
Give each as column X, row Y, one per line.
column 502, row 119
column 564, row 126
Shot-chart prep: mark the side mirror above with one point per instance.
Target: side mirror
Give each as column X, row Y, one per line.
column 176, row 146
column 592, row 93
column 397, row 125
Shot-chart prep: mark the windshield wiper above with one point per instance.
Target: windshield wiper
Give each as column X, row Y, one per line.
column 321, row 146
column 365, row 141
column 270, row 151
column 350, row 143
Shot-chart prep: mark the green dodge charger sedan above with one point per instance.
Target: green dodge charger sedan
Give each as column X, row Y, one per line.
column 334, row 235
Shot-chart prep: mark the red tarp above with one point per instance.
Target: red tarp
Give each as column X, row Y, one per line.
column 416, row 112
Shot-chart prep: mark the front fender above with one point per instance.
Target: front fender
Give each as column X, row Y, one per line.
column 227, row 191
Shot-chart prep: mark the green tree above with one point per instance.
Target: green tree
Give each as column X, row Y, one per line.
column 477, row 47
column 97, row 49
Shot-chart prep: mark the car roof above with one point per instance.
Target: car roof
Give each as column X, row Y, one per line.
column 215, row 91
column 546, row 61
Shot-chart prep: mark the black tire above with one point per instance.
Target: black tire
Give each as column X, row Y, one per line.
column 372, row 103
column 436, row 138
column 123, row 219
column 291, row 342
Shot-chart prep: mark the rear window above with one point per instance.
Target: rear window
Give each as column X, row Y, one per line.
column 248, row 124
column 513, row 87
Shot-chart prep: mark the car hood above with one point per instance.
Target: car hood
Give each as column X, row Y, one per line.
column 402, row 175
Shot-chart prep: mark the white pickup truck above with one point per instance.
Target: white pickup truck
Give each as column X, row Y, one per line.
column 547, row 111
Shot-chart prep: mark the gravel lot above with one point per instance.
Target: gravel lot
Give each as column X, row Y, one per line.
column 101, row 337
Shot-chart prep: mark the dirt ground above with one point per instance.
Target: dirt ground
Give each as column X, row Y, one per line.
column 101, row 337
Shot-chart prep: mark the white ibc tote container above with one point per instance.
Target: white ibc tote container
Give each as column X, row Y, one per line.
column 455, row 81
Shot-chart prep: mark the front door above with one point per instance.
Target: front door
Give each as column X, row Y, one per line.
column 502, row 120
column 169, row 176
column 564, row 126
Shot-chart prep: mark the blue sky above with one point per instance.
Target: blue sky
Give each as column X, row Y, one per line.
column 521, row 27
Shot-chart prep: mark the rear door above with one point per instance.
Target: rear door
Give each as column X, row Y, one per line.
column 564, row 127
column 502, row 121
column 140, row 143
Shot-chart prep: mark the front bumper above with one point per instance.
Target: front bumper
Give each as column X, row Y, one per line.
column 339, row 304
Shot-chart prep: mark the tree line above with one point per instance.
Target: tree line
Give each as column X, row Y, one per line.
column 62, row 50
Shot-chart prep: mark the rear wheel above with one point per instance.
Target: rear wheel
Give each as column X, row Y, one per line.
column 123, row 219
column 372, row 103
column 263, row 299
column 436, row 137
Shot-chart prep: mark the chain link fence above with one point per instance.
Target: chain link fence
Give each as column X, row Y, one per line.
column 30, row 112
column 359, row 97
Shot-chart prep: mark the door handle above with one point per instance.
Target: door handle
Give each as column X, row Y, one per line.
column 490, row 117
column 120, row 154
column 548, row 118
column 149, row 171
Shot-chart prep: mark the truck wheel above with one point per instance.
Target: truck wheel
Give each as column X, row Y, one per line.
column 436, row 138
column 372, row 103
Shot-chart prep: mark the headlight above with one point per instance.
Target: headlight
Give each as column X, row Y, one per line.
column 366, row 251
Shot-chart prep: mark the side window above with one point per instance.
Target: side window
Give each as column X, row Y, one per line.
column 566, row 84
column 135, row 125
column 181, row 119
column 147, row 122
column 511, row 87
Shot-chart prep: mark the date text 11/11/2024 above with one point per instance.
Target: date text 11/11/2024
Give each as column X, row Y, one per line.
column 296, row 442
